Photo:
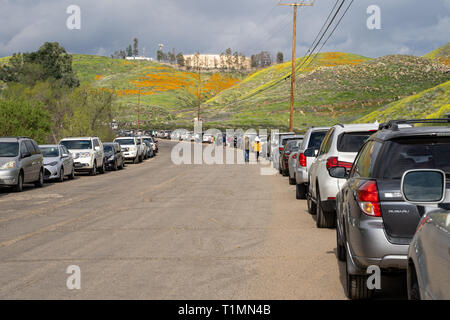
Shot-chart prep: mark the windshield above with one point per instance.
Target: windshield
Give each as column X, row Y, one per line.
column 352, row 141
column 50, row 152
column 77, row 144
column 417, row 153
column 9, row 149
column 316, row 139
column 125, row 141
column 148, row 139
column 108, row 149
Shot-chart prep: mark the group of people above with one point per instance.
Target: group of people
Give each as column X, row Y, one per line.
column 256, row 146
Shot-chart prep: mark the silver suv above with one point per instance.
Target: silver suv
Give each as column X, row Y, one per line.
column 338, row 149
column 21, row 162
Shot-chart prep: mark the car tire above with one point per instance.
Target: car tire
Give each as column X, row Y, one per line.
column 300, row 191
column 413, row 285
column 102, row 168
column 136, row 160
column 292, row 181
column 72, row 174
column 115, row 167
column 340, row 248
column 61, row 175
column 311, row 204
column 40, row 182
column 356, row 286
column 19, row 186
column 324, row 219
column 94, row 169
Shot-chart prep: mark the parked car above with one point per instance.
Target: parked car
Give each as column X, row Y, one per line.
column 293, row 160
column 132, row 150
column 374, row 224
column 87, row 154
column 58, row 162
column 207, row 138
column 114, row 156
column 288, row 145
column 306, row 156
column 153, row 143
column 275, row 144
column 150, row 153
column 338, row 149
column 428, row 271
column 21, row 162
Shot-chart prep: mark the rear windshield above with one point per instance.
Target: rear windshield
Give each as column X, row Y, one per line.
column 77, row 144
column 125, row 141
column 352, row 141
column 316, row 139
column 9, row 149
column 417, row 153
column 50, row 152
column 292, row 145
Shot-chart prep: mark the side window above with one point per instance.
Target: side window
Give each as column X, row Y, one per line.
column 36, row 146
column 365, row 161
column 326, row 144
column 96, row 143
column 30, row 147
column 23, row 148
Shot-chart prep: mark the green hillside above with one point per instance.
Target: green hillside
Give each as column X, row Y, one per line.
column 443, row 51
column 431, row 103
column 326, row 94
column 167, row 95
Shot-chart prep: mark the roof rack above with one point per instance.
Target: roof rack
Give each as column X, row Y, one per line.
column 393, row 124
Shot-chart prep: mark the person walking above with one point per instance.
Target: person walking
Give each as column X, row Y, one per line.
column 257, row 147
column 246, row 149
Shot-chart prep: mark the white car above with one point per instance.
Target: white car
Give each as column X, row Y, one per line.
column 87, row 153
column 132, row 148
column 275, row 147
column 338, row 149
column 58, row 162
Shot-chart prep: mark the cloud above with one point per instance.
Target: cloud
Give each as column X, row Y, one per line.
column 211, row 26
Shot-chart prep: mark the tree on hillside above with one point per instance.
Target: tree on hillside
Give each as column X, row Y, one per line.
column 135, row 47
column 280, row 57
column 180, row 60
column 129, row 51
column 51, row 61
column 254, row 61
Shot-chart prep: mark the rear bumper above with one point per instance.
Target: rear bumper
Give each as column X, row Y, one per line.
column 301, row 175
column 369, row 246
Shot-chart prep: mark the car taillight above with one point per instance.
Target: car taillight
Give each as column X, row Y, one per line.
column 368, row 199
column 281, row 149
column 334, row 162
column 302, row 160
column 423, row 222
column 294, row 156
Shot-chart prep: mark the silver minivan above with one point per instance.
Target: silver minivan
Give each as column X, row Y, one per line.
column 21, row 162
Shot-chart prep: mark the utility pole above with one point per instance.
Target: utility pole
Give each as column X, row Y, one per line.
column 294, row 41
column 198, row 87
column 139, row 110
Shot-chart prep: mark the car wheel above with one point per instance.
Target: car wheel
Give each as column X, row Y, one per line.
column 94, row 169
column 136, row 160
column 324, row 219
column 300, row 191
column 356, row 286
column 413, row 285
column 292, row 181
column 40, row 182
column 141, row 158
column 61, row 175
column 340, row 249
column 311, row 204
column 115, row 167
column 103, row 168
column 72, row 174
column 19, row 186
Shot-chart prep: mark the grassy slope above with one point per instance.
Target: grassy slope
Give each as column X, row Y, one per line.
column 431, row 103
column 161, row 107
column 326, row 95
column 443, row 51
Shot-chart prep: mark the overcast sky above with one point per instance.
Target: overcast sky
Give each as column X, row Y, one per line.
column 210, row 26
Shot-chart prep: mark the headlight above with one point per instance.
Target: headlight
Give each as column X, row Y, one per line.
column 51, row 164
column 85, row 155
column 8, row 165
column 111, row 158
column 133, row 148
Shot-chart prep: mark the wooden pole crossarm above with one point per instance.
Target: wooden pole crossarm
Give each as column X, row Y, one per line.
column 303, row 4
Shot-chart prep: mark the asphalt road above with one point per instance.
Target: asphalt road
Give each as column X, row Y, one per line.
column 160, row 231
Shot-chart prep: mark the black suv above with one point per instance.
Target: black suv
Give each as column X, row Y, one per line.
column 114, row 158
column 374, row 224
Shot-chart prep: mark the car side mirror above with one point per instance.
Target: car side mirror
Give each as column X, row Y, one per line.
column 424, row 186
column 311, row 152
column 338, row 172
column 97, row 148
column 26, row 155
column 65, row 155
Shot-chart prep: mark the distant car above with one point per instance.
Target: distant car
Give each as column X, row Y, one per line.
column 150, row 152
column 153, row 144
column 287, row 144
column 114, row 156
column 293, row 161
column 87, row 154
column 375, row 225
column 131, row 148
column 275, row 144
column 428, row 271
column 207, row 138
column 21, row 162
column 306, row 156
column 58, row 162
column 338, row 150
